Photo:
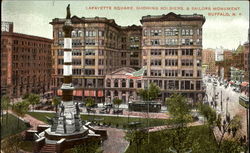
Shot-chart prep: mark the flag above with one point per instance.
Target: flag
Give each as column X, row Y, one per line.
column 137, row 74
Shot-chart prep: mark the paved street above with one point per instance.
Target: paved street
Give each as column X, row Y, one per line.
column 230, row 102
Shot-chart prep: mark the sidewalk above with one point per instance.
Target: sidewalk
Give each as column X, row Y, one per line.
column 33, row 121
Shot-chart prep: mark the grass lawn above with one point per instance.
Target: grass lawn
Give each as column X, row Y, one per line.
column 11, row 126
column 119, row 122
column 160, row 143
column 27, row 146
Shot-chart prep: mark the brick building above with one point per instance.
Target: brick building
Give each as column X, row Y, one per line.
column 228, row 57
column 172, row 52
column 25, row 63
column 169, row 45
column 208, row 59
column 246, row 61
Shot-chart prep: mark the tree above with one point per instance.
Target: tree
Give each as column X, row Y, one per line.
column 33, row 99
column 5, row 103
column 90, row 147
column 55, row 102
column 11, row 144
column 180, row 110
column 136, row 136
column 89, row 103
column 150, row 93
column 229, row 127
column 208, row 113
column 21, row 109
column 117, row 102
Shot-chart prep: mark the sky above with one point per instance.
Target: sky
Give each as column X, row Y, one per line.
column 33, row 17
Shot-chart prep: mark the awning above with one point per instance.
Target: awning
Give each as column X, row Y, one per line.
column 59, row 92
column 243, row 84
column 91, row 93
column 77, row 93
column 100, row 93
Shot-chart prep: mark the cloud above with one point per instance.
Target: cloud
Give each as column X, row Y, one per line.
column 226, row 33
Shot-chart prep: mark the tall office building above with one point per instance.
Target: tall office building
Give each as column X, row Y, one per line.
column 25, row 63
column 172, row 52
column 169, row 45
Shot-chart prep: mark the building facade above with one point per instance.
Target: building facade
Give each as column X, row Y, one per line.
column 169, row 45
column 26, row 63
column 246, row 61
column 100, row 47
column 172, row 52
column 208, row 59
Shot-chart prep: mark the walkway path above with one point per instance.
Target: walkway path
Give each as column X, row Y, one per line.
column 33, row 121
column 159, row 128
column 115, row 142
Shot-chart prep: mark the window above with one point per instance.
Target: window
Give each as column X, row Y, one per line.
column 89, row 61
column 135, row 47
column 90, row 42
column 134, row 62
column 198, row 85
column 155, row 62
column 73, row 34
column 60, row 71
column 171, row 42
column 199, row 52
column 187, row 52
column 115, row 83
column 76, row 62
column 155, row 72
column 187, row 73
column 108, row 83
column 171, row 62
column 101, row 52
column 134, row 54
column 155, row 52
column 76, row 52
column 89, row 71
column 155, row 42
column 123, row 62
column 76, row 71
column 123, row 83
column 199, row 41
column 101, row 33
column 171, row 52
column 171, row 32
column 187, row 32
column 131, row 83
column 60, row 42
column 198, row 62
column 187, row 41
column 89, row 33
column 198, row 73
column 60, row 52
column 171, row 72
column 155, row 32
column 100, row 72
column 100, row 61
column 89, row 52
column 138, row 83
column 60, row 61
column 187, row 62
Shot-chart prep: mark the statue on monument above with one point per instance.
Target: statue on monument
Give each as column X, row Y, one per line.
column 68, row 12
column 62, row 109
column 77, row 109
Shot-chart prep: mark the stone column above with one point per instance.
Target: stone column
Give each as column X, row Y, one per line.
column 127, row 97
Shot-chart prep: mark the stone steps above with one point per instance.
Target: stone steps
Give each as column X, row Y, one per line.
column 48, row 148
